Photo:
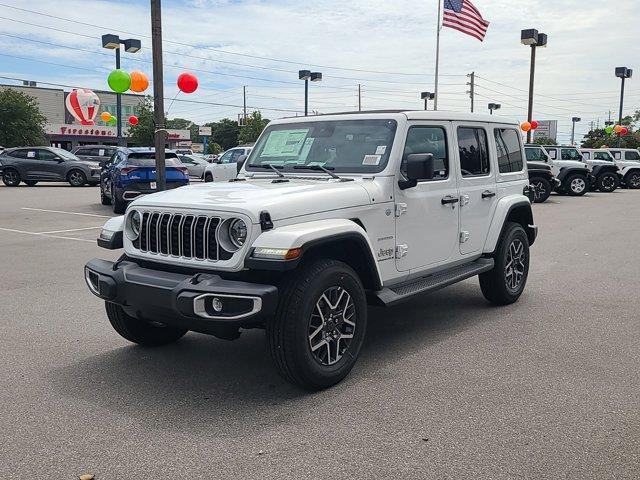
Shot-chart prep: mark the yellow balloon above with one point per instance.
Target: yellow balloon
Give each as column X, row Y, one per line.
column 617, row 128
column 105, row 116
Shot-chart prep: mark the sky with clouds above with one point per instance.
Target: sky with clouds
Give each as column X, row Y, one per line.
column 386, row 47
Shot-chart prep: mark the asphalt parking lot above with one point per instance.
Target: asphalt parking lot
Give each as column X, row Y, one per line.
column 447, row 386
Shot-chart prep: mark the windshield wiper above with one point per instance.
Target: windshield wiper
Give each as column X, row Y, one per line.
column 326, row 170
column 272, row 167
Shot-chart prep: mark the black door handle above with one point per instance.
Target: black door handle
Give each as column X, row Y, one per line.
column 449, row 200
column 488, row 194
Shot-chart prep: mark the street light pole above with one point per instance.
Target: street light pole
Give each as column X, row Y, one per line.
column 574, row 120
column 534, row 39
column 158, row 94
column 623, row 73
column 426, row 96
column 493, row 106
column 308, row 75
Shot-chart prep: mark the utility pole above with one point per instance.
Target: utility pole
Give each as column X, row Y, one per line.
column 359, row 97
column 472, row 88
column 244, row 97
column 158, row 93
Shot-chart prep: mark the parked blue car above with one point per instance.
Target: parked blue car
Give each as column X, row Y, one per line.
column 131, row 172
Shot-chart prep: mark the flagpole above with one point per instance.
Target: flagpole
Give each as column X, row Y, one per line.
column 435, row 101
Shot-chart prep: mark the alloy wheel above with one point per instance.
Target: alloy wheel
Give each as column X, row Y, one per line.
column 514, row 270
column 332, row 326
column 634, row 180
column 11, row 177
column 608, row 182
column 578, row 185
column 539, row 190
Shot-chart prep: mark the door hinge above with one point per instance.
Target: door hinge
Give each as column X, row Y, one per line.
column 464, row 236
column 401, row 209
column 464, row 200
column 401, row 251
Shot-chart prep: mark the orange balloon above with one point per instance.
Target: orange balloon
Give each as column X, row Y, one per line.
column 525, row 126
column 139, row 81
column 105, row 116
column 617, row 128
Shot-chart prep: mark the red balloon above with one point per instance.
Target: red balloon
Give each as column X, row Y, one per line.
column 133, row 120
column 534, row 124
column 187, row 82
column 624, row 131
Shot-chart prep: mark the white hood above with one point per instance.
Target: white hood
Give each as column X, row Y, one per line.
column 282, row 200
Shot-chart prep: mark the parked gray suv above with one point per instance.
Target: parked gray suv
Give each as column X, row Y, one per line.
column 96, row 153
column 46, row 164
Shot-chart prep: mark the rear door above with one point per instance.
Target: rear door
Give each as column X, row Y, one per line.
column 477, row 186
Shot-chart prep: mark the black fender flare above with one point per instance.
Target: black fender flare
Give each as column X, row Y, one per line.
column 602, row 169
column 565, row 172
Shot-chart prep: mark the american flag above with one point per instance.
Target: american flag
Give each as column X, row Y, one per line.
column 463, row 16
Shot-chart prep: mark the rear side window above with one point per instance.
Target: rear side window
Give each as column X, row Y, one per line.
column 474, row 152
column 633, row 155
column 509, row 150
column 427, row 140
column 148, row 159
column 23, row 154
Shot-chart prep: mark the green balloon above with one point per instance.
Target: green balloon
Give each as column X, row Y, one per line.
column 119, row 81
column 112, row 122
column 609, row 130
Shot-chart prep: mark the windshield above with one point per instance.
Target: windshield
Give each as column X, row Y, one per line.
column 148, row 159
column 603, row 156
column 357, row 146
column 64, row 154
column 571, row 154
column 535, row 154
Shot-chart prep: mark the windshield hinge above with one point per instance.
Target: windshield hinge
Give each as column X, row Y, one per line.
column 401, row 209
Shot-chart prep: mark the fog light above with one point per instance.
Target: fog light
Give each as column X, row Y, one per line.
column 216, row 304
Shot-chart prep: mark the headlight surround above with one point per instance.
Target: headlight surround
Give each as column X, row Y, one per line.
column 238, row 232
column 132, row 226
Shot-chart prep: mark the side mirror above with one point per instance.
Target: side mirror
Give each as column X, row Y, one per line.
column 420, row 166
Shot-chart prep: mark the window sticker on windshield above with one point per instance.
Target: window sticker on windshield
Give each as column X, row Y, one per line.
column 284, row 143
column 101, row 152
column 31, row 154
column 371, row 160
column 381, row 149
column 306, row 148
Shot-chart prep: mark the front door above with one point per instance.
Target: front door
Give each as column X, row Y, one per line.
column 50, row 166
column 477, row 185
column 427, row 214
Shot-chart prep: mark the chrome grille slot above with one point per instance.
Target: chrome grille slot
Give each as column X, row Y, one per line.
column 183, row 236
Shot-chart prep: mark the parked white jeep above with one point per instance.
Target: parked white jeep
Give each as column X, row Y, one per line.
column 628, row 161
column 603, row 168
column 330, row 213
column 573, row 175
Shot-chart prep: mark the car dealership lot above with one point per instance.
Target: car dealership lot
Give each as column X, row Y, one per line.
column 446, row 386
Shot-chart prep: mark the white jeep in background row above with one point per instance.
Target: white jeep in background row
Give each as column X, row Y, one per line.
column 628, row 161
column 574, row 176
column 328, row 214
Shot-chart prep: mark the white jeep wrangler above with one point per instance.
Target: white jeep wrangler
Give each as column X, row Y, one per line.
column 329, row 213
column 628, row 161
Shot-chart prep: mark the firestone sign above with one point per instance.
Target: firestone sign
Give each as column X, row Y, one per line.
column 98, row 131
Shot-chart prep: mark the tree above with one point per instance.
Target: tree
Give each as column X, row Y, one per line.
column 21, row 122
column 179, row 123
column 250, row 132
column 544, row 141
column 225, row 133
column 598, row 138
column 143, row 134
column 213, row 148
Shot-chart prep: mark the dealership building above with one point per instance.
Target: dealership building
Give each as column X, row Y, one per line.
column 62, row 130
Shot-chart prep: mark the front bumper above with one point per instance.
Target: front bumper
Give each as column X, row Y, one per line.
column 199, row 302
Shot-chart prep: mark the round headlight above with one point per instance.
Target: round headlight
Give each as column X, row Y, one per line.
column 135, row 220
column 238, row 232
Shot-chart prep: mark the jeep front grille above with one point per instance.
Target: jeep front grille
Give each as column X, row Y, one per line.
column 179, row 235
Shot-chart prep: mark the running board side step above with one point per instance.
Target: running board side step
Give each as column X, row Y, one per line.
column 397, row 293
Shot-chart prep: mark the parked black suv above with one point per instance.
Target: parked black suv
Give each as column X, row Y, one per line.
column 31, row 165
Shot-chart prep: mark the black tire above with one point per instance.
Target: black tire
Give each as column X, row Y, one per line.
column 576, row 185
column 30, row 183
column 632, row 180
column 542, row 189
column 139, row 331
column 76, row 178
column 10, row 177
column 607, row 182
column 496, row 284
column 208, row 177
column 104, row 200
column 118, row 206
column 288, row 333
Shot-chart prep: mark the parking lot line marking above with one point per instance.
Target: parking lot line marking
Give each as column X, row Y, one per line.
column 69, row 230
column 68, row 213
column 45, row 235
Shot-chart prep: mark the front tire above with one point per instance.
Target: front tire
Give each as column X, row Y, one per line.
column 542, row 189
column 504, row 284
column 30, row 183
column 118, row 206
column 632, row 180
column 576, row 185
column 76, row 178
column 11, row 177
column 319, row 326
column 208, row 178
column 607, row 182
column 139, row 331
column 104, row 200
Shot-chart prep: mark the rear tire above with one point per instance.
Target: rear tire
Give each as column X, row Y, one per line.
column 504, row 284
column 104, row 200
column 11, row 177
column 139, row 331
column 542, row 189
column 632, row 180
column 208, row 178
column 319, row 326
column 30, row 183
column 607, row 182
column 76, row 178
column 576, row 185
